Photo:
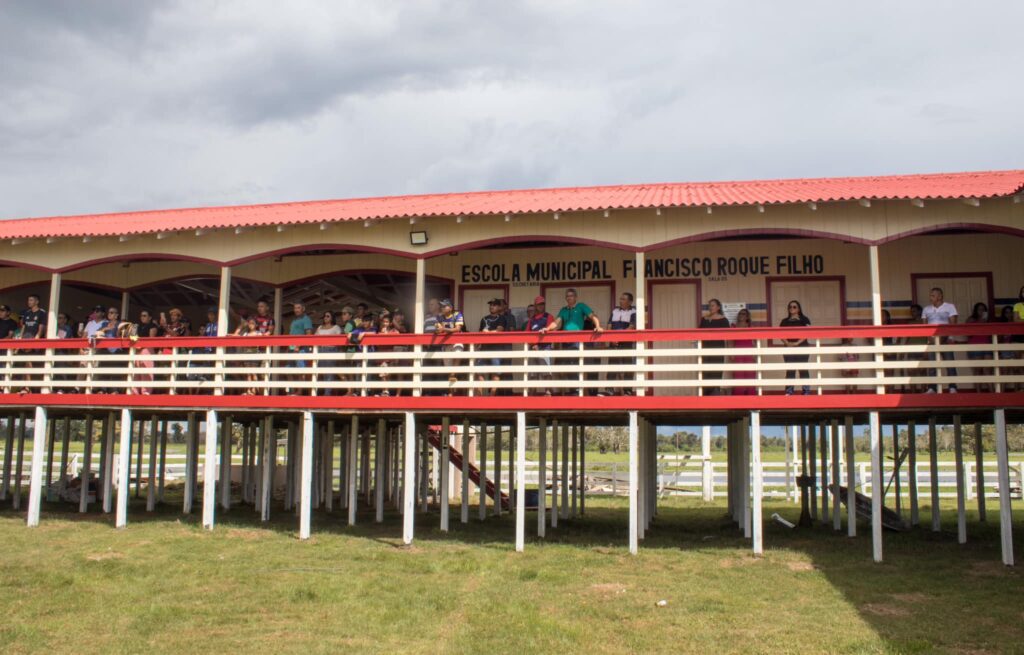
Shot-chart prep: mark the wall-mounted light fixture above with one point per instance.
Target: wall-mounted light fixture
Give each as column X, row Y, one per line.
column 418, row 238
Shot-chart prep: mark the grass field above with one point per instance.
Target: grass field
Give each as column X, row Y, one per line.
column 164, row 584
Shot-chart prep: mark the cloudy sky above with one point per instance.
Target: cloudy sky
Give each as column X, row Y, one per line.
column 108, row 106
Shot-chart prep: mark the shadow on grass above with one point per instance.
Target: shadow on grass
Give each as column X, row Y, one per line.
column 930, row 593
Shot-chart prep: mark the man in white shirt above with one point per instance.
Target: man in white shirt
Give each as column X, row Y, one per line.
column 939, row 312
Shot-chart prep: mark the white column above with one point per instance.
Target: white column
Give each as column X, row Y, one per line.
column 269, row 446
column 380, row 450
column 851, row 479
column 744, row 441
column 634, row 479
column 1003, row 466
column 444, row 466
column 789, row 445
column 961, row 506
column 352, row 464
column 877, row 480
column 124, row 305
column 409, row 485
column 758, row 472
column 53, row 309
column 912, row 482
column 706, row 471
column 837, row 513
column 108, row 463
column 306, row 489
column 520, row 481
column 35, row 488
column 124, row 465
column 933, row 462
column 979, row 472
column 278, row 302
column 464, row 507
column 640, row 298
column 210, row 470
column 542, row 477
column 876, row 310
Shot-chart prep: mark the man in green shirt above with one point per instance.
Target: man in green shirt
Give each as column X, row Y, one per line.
column 571, row 318
column 573, row 315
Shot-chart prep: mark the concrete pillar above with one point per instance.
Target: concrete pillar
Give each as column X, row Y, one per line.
column 35, row 486
column 306, row 483
column 961, row 486
column 634, row 477
column 758, row 475
column 124, row 465
column 877, row 480
column 520, row 481
column 409, row 486
column 1005, row 518
column 210, row 469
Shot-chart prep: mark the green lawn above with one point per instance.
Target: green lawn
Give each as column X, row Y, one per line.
column 164, row 585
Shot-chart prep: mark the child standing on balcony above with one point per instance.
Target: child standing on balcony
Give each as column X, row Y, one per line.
column 748, row 373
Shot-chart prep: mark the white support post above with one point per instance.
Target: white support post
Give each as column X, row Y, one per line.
column 933, row 476
column 876, row 311
column 278, row 308
column 707, row 483
column 851, row 479
column 35, row 485
column 269, row 445
column 108, row 464
column 445, row 469
column 409, row 485
column 225, row 462
column 877, row 480
column 154, row 438
column 306, row 490
column 744, row 441
column 481, row 450
column 824, row 430
column 124, row 465
column 498, row 429
column 1003, row 471
column 758, row 473
column 379, row 465
column 53, row 309
column 520, row 481
column 210, row 469
column 464, row 507
column 979, row 472
column 190, row 464
column 352, row 463
column 554, row 473
column 566, row 491
column 86, row 475
column 125, row 297
column 915, row 515
column 634, row 480
column 837, row 509
column 574, row 446
column 789, row 445
column 542, row 474
column 961, row 505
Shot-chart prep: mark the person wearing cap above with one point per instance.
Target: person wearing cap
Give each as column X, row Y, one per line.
column 448, row 323
column 538, row 320
column 92, row 326
column 496, row 320
column 366, row 325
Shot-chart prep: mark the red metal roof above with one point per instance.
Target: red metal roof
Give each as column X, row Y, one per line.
column 631, row 196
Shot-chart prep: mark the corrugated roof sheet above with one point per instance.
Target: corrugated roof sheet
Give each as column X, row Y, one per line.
column 631, row 196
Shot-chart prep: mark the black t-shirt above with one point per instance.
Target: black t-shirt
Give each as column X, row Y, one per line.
column 492, row 322
column 7, row 328
column 32, row 323
column 706, row 322
column 799, row 321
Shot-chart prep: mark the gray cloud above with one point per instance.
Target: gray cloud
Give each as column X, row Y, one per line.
column 128, row 105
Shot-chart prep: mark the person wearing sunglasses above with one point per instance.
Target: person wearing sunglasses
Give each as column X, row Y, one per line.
column 795, row 318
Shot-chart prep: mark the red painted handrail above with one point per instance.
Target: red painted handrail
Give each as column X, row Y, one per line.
column 494, row 338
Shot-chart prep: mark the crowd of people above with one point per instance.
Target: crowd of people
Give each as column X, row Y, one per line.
column 443, row 319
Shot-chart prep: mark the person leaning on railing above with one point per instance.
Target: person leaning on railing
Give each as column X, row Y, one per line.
column 979, row 314
column 940, row 312
column 33, row 326
column 448, row 323
column 623, row 317
column 8, row 326
column 715, row 319
column 573, row 317
column 109, row 329
column 747, row 373
column 795, row 319
column 366, row 326
column 496, row 320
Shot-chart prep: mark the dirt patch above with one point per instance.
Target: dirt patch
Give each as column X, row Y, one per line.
column 912, row 598
column 737, row 562
column 885, row 609
column 987, row 569
column 247, row 535
column 608, row 589
column 99, row 557
column 800, row 567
